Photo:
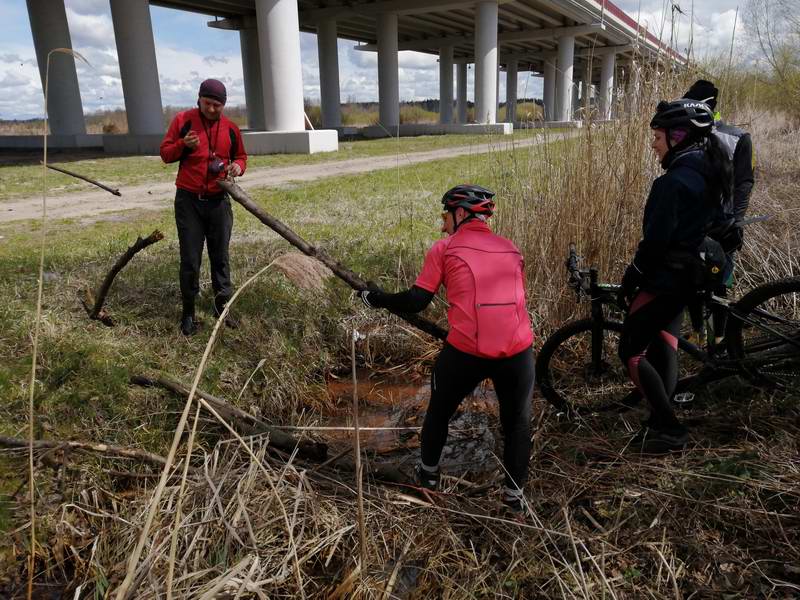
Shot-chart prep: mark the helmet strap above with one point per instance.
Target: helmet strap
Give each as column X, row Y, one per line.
column 675, row 149
column 457, row 224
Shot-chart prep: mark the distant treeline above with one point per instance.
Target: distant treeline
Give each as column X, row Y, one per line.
column 353, row 114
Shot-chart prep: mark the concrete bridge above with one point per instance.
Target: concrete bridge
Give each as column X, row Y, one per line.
column 586, row 51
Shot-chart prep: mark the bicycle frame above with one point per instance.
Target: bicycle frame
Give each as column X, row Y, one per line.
column 586, row 282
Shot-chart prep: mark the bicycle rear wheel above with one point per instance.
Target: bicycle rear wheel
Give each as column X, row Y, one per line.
column 568, row 379
column 764, row 332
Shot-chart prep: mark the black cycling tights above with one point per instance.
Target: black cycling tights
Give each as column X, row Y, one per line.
column 649, row 350
column 454, row 376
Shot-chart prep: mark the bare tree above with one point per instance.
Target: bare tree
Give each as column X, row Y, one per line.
column 775, row 27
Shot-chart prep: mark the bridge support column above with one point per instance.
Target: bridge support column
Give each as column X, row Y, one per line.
column 388, row 78
column 50, row 30
column 327, row 44
column 486, row 63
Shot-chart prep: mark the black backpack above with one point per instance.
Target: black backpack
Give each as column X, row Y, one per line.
column 703, row 267
column 712, row 263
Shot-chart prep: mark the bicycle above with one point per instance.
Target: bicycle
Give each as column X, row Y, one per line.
column 762, row 343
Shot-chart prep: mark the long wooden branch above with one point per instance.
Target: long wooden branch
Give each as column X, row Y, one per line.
column 111, row 190
column 242, row 420
column 106, row 449
column 94, row 304
column 342, row 272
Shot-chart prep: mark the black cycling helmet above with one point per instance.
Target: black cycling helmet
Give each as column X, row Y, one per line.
column 705, row 91
column 472, row 198
column 692, row 115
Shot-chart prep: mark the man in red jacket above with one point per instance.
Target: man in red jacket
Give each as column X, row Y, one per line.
column 208, row 147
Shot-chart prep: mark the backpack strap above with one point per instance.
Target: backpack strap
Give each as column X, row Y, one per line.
column 234, row 143
column 186, row 151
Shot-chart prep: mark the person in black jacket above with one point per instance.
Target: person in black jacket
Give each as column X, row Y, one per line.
column 739, row 149
column 660, row 280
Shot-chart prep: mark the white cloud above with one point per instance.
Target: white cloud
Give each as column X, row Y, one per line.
column 22, row 96
column 90, row 30
column 709, row 29
column 88, row 7
column 181, row 72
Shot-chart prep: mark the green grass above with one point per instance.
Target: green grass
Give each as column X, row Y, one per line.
column 17, row 181
column 376, row 224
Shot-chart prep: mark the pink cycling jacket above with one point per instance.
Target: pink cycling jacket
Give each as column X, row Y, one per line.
column 484, row 278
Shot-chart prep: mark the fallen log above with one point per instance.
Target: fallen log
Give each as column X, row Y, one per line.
column 342, row 272
column 111, row 190
column 385, row 472
column 242, row 420
column 94, row 303
column 106, row 449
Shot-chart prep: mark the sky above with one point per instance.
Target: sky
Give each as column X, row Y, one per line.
column 188, row 51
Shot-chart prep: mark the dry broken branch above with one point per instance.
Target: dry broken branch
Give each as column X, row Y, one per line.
column 342, row 272
column 244, row 421
column 94, row 303
column 114, row 191
column 106, row 449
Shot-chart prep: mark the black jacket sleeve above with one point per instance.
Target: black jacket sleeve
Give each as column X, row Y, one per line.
column 742, row 176
column 412, row 300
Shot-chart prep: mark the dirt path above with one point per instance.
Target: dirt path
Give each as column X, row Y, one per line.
column 158, row 196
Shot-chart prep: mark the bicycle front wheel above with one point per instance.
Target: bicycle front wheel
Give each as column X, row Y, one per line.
column 764, row 332
column 568, row 376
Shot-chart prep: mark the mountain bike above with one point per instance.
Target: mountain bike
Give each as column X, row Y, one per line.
column 579, row 372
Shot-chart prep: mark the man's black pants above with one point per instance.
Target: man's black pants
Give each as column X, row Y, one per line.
column 454, row 376
column 204, row 220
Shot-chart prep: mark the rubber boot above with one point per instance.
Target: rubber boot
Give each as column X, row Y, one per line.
column 219, row 306
column 188, row 322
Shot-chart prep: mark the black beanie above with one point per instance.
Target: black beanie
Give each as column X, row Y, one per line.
column 215, row 89
column 705, row 91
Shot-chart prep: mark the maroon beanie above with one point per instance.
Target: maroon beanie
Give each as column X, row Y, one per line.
column 215, row 89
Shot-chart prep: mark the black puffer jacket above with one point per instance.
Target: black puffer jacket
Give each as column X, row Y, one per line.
column 677, row 214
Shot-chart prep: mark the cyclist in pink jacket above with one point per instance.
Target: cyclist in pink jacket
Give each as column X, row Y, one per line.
column 490, row 333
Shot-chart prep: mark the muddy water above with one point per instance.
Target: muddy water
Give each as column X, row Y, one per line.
column 391, row 413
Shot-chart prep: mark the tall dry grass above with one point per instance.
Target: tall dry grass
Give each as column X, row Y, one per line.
column 599, row 527
column 589, row 189
column 592, row 190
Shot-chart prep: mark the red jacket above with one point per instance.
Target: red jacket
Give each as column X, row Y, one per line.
column 217, row 138
column 485, row 282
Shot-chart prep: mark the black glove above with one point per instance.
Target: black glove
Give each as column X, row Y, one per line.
column 364, row 295
column 371, row 297
column 733, row 238
column 631, row 281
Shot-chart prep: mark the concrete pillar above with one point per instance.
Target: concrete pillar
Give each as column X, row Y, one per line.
column 136, row 50
column 327, row 46
column 388, row 77
column 446, row 84
column 50, row 30
column 281, row 70
column 253, row 85
column 486, row 62
column 511, row 90
column 576, row 86
column 586, row 90
column 634, row 87
column 461, row 100
column 566, row 55
column 549, row 89
column 607, row 84
column 497, row 92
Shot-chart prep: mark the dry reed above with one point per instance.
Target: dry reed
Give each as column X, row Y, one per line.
column 256, row 523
